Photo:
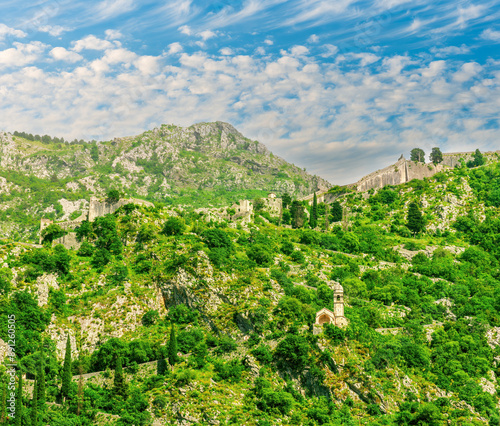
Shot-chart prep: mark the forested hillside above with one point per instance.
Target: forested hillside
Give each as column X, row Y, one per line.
column 201, row 165
column 227, row 311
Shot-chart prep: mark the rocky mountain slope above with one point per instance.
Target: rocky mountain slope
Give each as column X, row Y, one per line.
column 204, row 164
column 422, row 345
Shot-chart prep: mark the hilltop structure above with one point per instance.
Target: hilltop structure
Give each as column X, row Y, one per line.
column 325, row 316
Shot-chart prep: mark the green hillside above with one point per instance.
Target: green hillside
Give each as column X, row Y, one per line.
column 201, row 165
column 421, row 347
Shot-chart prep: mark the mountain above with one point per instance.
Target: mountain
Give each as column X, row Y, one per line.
column 201, row 165
column 422, row 343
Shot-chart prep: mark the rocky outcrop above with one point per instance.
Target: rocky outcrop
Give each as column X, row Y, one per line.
column 44, row 284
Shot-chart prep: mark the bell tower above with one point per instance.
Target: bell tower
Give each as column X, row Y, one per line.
column 338, row 300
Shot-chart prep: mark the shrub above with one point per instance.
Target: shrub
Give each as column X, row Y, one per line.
column 260, row 254
column 150, row 318
column 174, row 226
column 292, row 353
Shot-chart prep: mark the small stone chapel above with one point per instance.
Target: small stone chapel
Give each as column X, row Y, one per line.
column 325, row 316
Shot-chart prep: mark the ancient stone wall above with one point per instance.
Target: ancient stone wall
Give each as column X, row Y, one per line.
column 99, row 208
column 69, row 241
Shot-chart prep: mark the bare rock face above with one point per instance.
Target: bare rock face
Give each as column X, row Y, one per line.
column 44, row 283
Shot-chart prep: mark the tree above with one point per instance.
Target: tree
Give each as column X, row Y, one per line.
column 436, row 155
column 415, row 220
column 477, row 161
column 41, row 380
column 286, row 200
column 173, row 226
column 417, row 155
column 172, row 347
column 336, row 211
column 94, row 152
column 119, row 383
column 80, row 391
column 19, row 399
column 113, row 196
column 161, row 367
column 51, row 233
column 314, row 213
column 66, row 376
column 3, row 403
column 327, row 222
column 298, row 214
column 34, row 405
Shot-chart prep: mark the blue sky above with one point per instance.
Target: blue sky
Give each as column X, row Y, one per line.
column 339, row 87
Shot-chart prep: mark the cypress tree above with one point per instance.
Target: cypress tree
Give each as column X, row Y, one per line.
column 172, row 347
column 19, row 400
column 3, row 404
column 415, row 220
column 80, row 391
column 314, row 212
column 34, row 405
column 41, row 381
column 120, row 386
column 327, row 222
column 66, row 376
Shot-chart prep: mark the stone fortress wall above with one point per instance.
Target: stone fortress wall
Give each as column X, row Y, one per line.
column 96, row 209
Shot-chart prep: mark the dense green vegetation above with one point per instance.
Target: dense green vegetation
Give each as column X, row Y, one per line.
column 177, row 312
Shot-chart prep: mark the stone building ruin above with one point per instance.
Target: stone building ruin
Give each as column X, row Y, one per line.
column 96, row 209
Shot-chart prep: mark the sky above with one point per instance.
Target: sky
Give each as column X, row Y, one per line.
column 339, row 87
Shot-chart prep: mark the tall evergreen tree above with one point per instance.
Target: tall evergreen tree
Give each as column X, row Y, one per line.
column 41, row 381
column 19, row 400
column 66, row 376
column 415, row 220
column 80, row 391
column 314, row 213
column 34, row 405
column 327, row 222
column 3, row 403
column 298, row 214
column 120, row 385
column 436, row 155
column 172, row 346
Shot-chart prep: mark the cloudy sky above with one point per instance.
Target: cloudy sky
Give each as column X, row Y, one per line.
column 340, row 87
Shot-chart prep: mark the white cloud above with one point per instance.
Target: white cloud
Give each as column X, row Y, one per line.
column 110, row 8
column 148, row 65
column 207, row 34
column 22, row 54
column 113, row 34
column 330, row 50
column 53, row 30
column 442, row 52
column 185, row 29
column 299, row 50
column 490, row 34
column 91, row 42
column 7, row 31
column 313, row 38
column 61, row 54
column 174, row 48
column 226, row 51
column 467, row 72
column 365, row 58
column 339, row 120
column 268, row 42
